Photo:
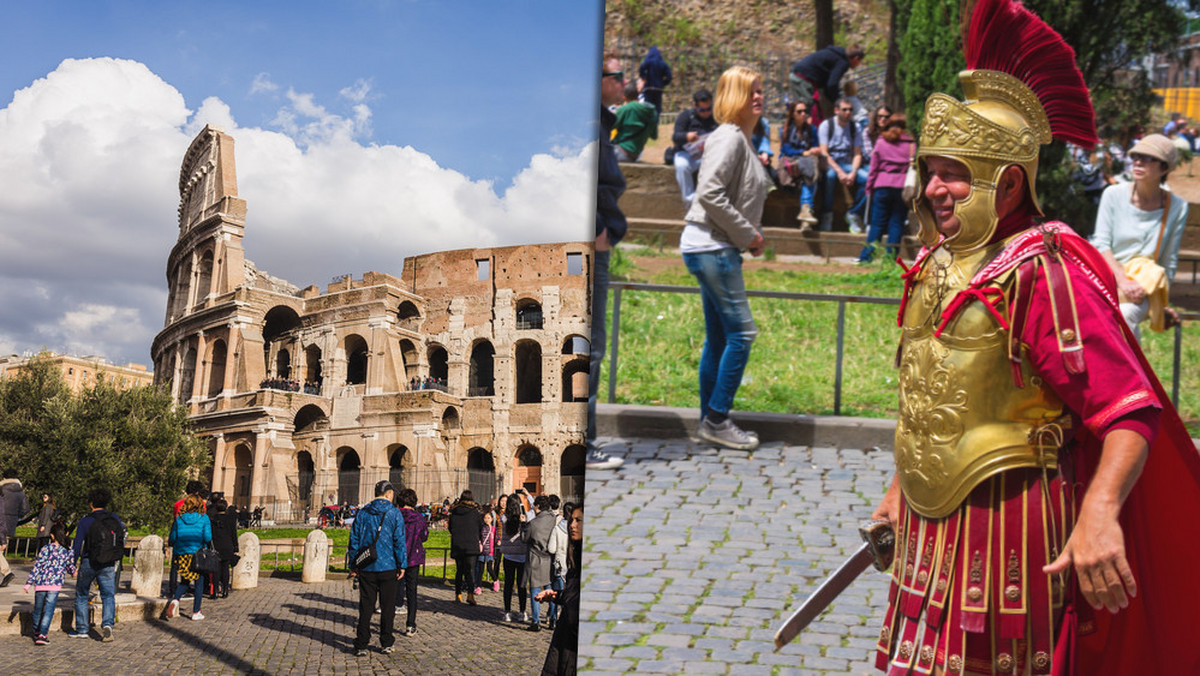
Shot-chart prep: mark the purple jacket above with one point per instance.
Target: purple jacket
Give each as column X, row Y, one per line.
column 889, row 163
column 416, row 532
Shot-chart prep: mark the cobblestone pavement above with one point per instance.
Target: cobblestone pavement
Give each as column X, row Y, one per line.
column 695, row 556
column 288, row 627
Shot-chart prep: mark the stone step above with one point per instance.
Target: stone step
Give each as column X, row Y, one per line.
column 789, row 241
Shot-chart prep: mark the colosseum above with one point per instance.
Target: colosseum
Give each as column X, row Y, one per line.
column 468, row 370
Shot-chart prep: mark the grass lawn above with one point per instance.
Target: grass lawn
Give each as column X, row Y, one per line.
column 792, row 365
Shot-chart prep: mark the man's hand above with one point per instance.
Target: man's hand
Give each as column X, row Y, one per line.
column 889, row 508
column 757, row 245
column 1097, row 544
column 692, row 136
column 399, row 573
column 353, row 573
column 847, row 179
column 1131, row 289
column 546, row 595
column 1097, row 549
column 765, row 158
column 1171, row 317
column 602, row 243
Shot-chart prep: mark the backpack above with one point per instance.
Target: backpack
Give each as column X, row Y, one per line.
column 105, row 541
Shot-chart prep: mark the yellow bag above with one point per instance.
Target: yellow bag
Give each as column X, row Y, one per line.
column 1153, row 278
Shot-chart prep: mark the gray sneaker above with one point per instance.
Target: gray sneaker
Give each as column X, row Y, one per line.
column 727, row 435
column 106, row 634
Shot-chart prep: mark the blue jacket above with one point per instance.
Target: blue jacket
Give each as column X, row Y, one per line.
column 190, row 532
column 391, row 552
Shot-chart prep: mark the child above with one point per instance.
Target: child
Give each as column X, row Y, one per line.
column 885, row 183
column 487, row 549
column 53, row 562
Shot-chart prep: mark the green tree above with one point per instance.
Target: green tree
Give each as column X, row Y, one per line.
column 137, row 443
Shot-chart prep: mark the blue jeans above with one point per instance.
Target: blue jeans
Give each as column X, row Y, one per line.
column 860, row 182
column 599, row 335
column 537, row 607
column 106, row 580
column 685, row 167
column 887, row 210
column 729, row 328
column 43, row 611
column 556, row 583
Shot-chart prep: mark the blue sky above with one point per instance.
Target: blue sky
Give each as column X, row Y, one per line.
column 364, row 132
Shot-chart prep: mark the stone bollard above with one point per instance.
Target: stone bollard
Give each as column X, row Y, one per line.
column 148, row 567
column 245, row 573
column 316, row 557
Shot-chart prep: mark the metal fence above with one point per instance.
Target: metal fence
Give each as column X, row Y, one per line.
column 842, row 300
column 308, row 492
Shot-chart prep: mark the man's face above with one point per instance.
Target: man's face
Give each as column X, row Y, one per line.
column 612, row 83
column 844, row 111
column 949, row 182
column 704, row 109
column 854, row 63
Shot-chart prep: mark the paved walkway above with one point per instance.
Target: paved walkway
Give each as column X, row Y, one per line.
column 288, row 627
column 695, row 556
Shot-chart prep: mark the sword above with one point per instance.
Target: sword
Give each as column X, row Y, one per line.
column 879, row 544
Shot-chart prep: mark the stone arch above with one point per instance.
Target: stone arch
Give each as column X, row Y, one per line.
column 575, row 380
column 357, row 357
column 243, row 474
column 481, row 475
column 572, row 465
column 450, row 420
column 408, row 310
column 527, row 469
column 576, row 345
column 529, row 314
column 305, row 477
column 482, row 375
column 183, row 284
column 408, row 353
column 204, row 275
column 310, row 418
column 216, row 368
column 439, row 363
column 312, row 367
column 349, row 474
column 398, row 465
column 187, row 378
column 281, row 326
column 528, row 372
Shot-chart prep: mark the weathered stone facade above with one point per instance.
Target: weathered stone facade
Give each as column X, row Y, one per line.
column 307, row 395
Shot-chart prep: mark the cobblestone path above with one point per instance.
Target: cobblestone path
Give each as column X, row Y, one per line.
column 694, row 557
column 287, row 627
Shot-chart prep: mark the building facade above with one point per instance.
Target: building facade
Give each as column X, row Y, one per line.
column 81, row 373
column 468, row 370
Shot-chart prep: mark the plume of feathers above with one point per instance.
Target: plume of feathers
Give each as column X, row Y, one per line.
column 1003, row 35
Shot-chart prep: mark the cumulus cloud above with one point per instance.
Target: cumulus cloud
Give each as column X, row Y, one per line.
column 88, row 214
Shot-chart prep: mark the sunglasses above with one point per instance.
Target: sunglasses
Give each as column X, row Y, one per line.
column 618, row 74
column 703, row 109
column 801, row 111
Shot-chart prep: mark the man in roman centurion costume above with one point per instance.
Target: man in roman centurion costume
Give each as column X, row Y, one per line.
column 1046, row 494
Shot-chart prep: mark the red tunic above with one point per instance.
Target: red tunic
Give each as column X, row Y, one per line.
column 1114, row 389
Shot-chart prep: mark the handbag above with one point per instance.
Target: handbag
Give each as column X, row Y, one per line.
column 1151, row 276
column 368, row 555
column 205, row 562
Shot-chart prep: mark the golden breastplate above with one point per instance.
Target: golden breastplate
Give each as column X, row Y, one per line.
column 962, row 419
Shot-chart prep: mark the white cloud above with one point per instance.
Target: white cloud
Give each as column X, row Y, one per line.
column 358, row 93
column 262, row 83
column 88, row 214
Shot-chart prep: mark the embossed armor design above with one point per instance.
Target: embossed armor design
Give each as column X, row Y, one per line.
column 962, row 419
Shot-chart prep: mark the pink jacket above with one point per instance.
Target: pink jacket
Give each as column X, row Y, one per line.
column 889, row 163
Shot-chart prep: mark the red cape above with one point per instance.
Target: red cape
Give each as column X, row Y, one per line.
column 1159, row 632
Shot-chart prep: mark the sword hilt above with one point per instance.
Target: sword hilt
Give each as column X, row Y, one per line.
column 882, row 540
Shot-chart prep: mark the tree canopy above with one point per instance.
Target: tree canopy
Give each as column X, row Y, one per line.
column 137, row 443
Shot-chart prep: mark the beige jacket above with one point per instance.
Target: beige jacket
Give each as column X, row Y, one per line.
column 732, row 188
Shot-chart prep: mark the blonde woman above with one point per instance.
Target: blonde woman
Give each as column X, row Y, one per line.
column 723, row 221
